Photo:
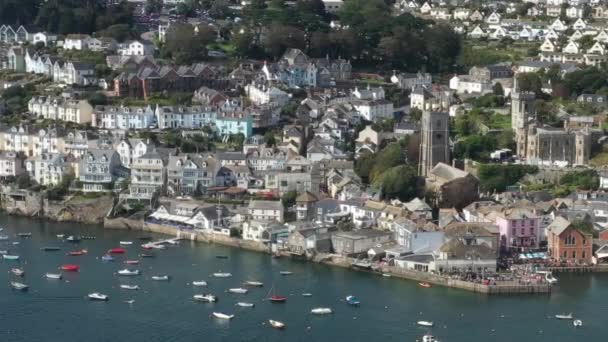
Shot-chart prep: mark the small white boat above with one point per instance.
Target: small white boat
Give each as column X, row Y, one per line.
column 222, row 275
column 18, row 272
column 126, row 243
column 425, row 323
column 199, row 283
column 306, row 294
column 321, row 311
column 129, row 287
column 577, row 323
column 161, row 278
column 245, row 305
column 276, row 324
column 97, row 296
column 254, row 283
column 19, row 286
column 53, row 275
column 564, row 316
column 3, row 237
column 222, row 315
column 286, row 273
column 130, row 301
column 15, row 243
column 10, row 257
column 238, row 290
column 386, row 275
column 60, row 236
column 548, row 275
column 3, row 252
column 429, row 338
column 209, row 298
column 128, row 272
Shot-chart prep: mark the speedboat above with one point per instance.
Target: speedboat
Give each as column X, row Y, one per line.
column 24, row 234
column 284, row 273
column 97, row 296
column 128, row 272
column 50, row 249
column 161, row 278
column 426, row 285
column 118, row 250
column 70, row 268
column 276, row 324
column 107, row 257
column 199, row 283
column 564, row 316
column 222, row 316
column 352, row 300
column 18, row 272
column 209, row 298
column 277, row 299
column 222, row 275
column 131, row 262
column 77, row 253
column 53, row 275
column 129, row 287
column 238, row 290
column 429, row 338
column 19, row 286
column 245, row 305
column 425, row 323
column 254, row 283
column 10, row 257
column 577, row 323
column 146, row 255
column 321, row 311
column 126, row 243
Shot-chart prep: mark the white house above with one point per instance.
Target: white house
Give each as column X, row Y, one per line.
column 124, row 118
column 58, row 108
column 558, row 25
column 11, row 164
column 493, row 19
column 136, row 48
column 548, row 46
column 477, row 33
column 597, row 48
column 48, row 168
column 572, row 48
column 574, row 12
column 426, row 8
column 464, row 84
column 43, row 38
column 264, row 94
column 266, row 210
column 75, row 41
column 579, row 24
column 131, row 149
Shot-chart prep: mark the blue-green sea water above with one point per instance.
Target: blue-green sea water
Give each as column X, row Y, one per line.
column 164, row 311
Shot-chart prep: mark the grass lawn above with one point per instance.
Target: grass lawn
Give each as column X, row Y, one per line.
column 499, row 121
column 600, row 159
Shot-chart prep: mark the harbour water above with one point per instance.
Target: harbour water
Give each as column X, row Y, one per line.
column 54, row 310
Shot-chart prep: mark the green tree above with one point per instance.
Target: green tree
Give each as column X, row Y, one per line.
column 415, row 115
column 185, row 45
column 289, row 199
column 497, row 89
column 270, row 139
column 154, row 6
column 400, row 182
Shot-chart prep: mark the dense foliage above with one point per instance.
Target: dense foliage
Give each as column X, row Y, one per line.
column 496, row 177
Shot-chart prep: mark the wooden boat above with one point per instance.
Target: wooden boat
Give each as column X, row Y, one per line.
column 352, row 300
column 53, row 275
column 426, row 285
column 199, row 283
column 18, row 272
column 19, row 286
column 564, row 316
column 245, row 305
column 118, row 250
column 107, row 257
column 146, row 255
column 222, row 315
column 126, row 243
column 70, row 268
column 321, row 311
column 24, row 234
column 50, row 249
column 98, row 296
column 10, row 257
column 425, row 323
column 129, row 287
column 209, row 298
column 222, row 275
column 238, row 290
column 577, row 323
column 254, row 283
column 161, row 278
column 77, row 253
column 128, row 272
column 276, row 324
column 131, row 262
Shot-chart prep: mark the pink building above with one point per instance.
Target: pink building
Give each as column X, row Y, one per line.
column 518, row 228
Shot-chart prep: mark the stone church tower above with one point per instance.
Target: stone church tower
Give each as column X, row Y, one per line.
column 435, row 135
column 522, row 110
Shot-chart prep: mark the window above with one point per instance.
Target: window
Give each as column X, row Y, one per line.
column 584, row 254
column 573, row 254
column 570, row 240
column 565, row 254
column 512, row 231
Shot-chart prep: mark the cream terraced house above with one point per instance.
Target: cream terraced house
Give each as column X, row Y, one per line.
column 58, row 108
column 148, row 176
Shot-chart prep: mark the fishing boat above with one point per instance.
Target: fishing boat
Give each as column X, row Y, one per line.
column 285, row 273
column 254, row 283
column 50, row 249
column 352, row 300
column 3, row 237
column 24, row 234
column 321, row 311
column 10, row 257
column 577, row 323
column 276, row 324
column 107, row 257
column 70, row 268
column 72, row 238
column 126, row 243
column 245, row 304
column 209, row 298
column 118, row 250
column 221, row 256
column 161, row 278
column 19, row 286
column 238, row 290
column 425, row 323
column 18, row 272
column 131, row 262
column 564, row 316
column 128, row 272
column 429, row 338
column 77, row 253
column 129, row 287
column 60, row 236
column 426, row 285
column 306, row 294
column 146, row 255
column 222, row 315
column 53, row 275
column 98, row 296
column 222, row 275
column 199, row 283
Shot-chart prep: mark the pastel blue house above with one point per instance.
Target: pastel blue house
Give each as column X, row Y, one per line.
column 230, row 125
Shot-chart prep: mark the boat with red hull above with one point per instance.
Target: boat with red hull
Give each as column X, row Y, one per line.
column 70, row 268
column 117, row 250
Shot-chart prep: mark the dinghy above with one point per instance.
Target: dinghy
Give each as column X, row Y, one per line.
column 209, row 298
column 222, row 316
column 321, row 311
